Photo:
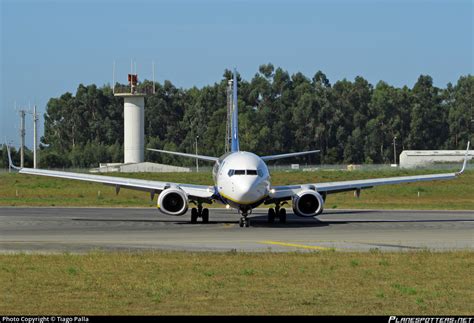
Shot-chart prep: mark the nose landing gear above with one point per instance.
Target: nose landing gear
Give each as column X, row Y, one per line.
column 244, row 222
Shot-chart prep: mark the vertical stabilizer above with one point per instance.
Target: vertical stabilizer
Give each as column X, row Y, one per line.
column 235, row 117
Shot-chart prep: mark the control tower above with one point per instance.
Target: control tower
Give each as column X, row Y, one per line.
column 134, row 122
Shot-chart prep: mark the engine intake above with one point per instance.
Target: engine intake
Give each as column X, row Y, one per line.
column 173, row 201
column 308, row 203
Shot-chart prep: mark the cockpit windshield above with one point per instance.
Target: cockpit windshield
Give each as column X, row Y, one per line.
column 252, row 172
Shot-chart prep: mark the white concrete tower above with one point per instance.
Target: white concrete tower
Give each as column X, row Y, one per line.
column 134, row 123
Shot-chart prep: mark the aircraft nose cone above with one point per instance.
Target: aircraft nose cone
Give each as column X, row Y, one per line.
column 244, row 187
column 248, row 192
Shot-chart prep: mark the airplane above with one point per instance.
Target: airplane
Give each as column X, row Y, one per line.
column 241, row 181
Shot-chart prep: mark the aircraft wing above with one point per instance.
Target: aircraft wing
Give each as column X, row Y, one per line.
column 193, row 191
column 286, row 192
column 281, row 192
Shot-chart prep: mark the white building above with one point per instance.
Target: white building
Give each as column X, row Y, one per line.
column 139, row 167
column 421, row 158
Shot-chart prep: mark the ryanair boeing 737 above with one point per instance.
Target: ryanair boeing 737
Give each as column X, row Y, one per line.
column 241, row 181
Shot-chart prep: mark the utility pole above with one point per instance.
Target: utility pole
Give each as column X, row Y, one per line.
column 394, row 151
column 22, row 135
column 197, row 160
column 35, row 136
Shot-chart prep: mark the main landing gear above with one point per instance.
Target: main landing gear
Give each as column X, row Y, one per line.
column 244, row 222
column 199, row 212
column 277, row 212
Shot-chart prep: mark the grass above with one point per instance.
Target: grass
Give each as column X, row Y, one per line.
column 375, row 283
column 27, row 190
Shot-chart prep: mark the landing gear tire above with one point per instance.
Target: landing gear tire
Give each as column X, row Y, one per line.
column 244, row 221
column 271, row 215
column 205, row 216
column 194, row 215
column 282, row 215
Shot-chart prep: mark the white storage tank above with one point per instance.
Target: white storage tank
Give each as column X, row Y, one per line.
column 133, row 123
column 134, row 128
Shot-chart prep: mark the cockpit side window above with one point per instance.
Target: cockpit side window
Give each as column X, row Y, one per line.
column 251, row 172
column 231, row 172
column 239, row 172
column 260, row 172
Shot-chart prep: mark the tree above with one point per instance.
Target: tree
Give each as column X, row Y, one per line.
column 349, row 121
column 428, row 117
column 460, row 101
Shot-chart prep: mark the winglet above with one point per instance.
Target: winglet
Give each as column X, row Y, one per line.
column 10, row 162
column 465, row 160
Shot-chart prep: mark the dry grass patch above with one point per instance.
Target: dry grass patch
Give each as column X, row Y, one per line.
column 238, row 283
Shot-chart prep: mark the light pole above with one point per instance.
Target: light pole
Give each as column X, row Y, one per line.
column 35, row 135
column 197, row 160
column 394, row 151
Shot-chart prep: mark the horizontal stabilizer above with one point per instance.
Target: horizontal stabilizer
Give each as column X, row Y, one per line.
column 208, row 158
column 274, row 157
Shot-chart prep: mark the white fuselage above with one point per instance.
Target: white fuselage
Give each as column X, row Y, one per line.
column 242, row 179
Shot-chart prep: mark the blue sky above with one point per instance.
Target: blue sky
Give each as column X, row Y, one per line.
column 50, row 47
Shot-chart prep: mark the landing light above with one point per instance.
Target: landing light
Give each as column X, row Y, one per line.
column 227, row 206
column 272, row 191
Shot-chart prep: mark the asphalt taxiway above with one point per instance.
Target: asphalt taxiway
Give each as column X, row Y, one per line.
column 83, row 229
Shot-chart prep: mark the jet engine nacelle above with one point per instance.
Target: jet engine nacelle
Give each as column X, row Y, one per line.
column 308, row 203
column 173, row 201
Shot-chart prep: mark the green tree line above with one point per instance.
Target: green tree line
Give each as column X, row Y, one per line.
column 349, row 121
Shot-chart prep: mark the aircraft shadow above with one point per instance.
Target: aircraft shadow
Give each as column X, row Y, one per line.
column 262, row 221
column 293, row 222
column 332, row 211
column 170, row 220
column 256, row 221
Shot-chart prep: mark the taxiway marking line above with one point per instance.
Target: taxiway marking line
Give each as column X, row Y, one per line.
column 295, row 245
